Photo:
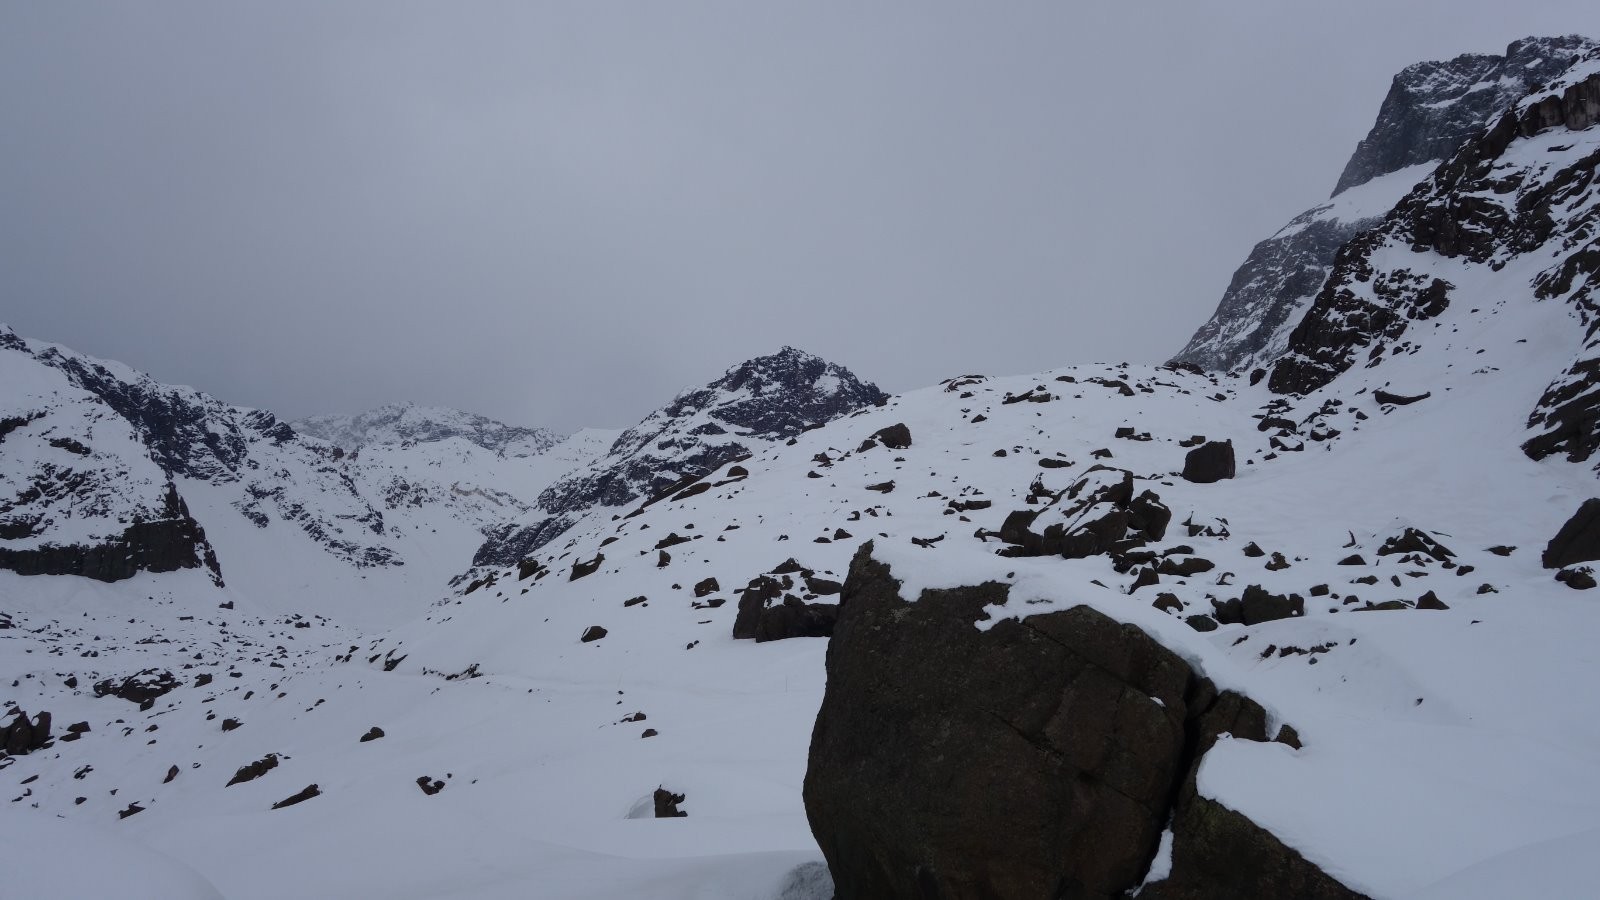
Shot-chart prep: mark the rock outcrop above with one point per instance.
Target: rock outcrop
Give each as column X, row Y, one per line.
column 1578, row 541
column 772, row 608
column 1040, row 758
column 1098, row 514
column 24, row 735
column 165, row 544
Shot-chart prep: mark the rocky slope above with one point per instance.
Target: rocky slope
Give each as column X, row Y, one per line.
column 1431, row 110
column 1096, row 632
column 760, row 401
column 1509, row 222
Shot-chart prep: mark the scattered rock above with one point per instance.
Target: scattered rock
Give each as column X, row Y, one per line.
column 1414, row 540
column 1210, row 462
column 142, row 688
column 1430, row 600
column 310, row 791
column 592, row 633
column 706, row 586
column 372, row 734
column 1383, row 396
column 581, row 569
column 430, row 786
column 1579, row 579
column 895, row 437
column 252, row 771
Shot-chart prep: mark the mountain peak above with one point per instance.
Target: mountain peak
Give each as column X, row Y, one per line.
column 1433, row 107
column 762, row 400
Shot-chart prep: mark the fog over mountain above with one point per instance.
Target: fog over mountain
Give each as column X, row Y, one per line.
column 528, row 210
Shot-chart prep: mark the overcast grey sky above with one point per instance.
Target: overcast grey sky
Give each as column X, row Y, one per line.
column 562, row 213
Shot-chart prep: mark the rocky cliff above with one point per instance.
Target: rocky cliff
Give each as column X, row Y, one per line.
column 1431, row 110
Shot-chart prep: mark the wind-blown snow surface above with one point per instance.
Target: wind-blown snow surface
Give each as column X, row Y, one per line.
column 1447, row 752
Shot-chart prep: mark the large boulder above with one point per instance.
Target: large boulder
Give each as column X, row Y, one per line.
column 768, row 613
column 1210, row 462
column 1578, row 541
column 1041, row 758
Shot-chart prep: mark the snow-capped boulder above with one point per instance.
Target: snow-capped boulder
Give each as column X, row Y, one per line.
column 1042, row 757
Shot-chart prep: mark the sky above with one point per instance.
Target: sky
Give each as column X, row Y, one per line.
column 561, row 214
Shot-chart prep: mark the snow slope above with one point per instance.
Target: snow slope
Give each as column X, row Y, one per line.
column 1447, row 738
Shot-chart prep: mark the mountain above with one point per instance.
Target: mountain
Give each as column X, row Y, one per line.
column 760, row 401
column 1507, row 225
column 109, row 473
column 407, row 423
column 80, row 493
column 1431, row 110
column 1101, row 631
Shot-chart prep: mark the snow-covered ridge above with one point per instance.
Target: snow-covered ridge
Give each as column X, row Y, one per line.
column 97, row 455
column 407, row 423
column 762, row 400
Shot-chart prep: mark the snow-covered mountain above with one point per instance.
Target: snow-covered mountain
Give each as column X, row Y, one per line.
column 107, row 473
column 759, row 401
column 1431, row 110
column 407, row 423
column 1099, row 632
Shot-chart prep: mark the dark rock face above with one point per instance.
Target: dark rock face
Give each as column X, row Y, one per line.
column 1578, row 541
column 1275, row 283
column 1432, row 109
column 1027, row 761
column 175, row 541
column 1210, row 462
column 1486, row 209
column 766, row 399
